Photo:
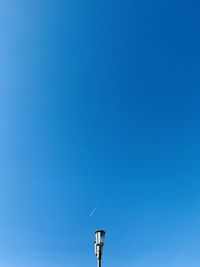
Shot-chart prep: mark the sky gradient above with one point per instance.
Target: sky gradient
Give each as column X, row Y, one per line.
column 99, row 107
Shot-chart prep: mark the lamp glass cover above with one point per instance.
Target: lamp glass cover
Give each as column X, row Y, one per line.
column 100, row 236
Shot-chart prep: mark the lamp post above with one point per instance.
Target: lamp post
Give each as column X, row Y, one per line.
column 98, row 245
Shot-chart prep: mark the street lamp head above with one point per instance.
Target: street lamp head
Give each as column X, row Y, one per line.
column 100, row 236
column 98, row 245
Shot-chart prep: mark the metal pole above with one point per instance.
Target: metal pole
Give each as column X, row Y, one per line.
column 99, row 263
column 99, row 256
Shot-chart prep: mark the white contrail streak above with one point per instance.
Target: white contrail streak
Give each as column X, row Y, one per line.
column 92, row 212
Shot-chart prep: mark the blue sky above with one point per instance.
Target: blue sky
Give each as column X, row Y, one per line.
column 99, row 106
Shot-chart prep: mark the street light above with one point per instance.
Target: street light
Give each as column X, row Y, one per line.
column 98, row 245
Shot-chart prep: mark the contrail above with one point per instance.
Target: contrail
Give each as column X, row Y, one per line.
column 92, row 212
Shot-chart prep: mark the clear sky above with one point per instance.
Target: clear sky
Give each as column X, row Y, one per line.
column 99, row 107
